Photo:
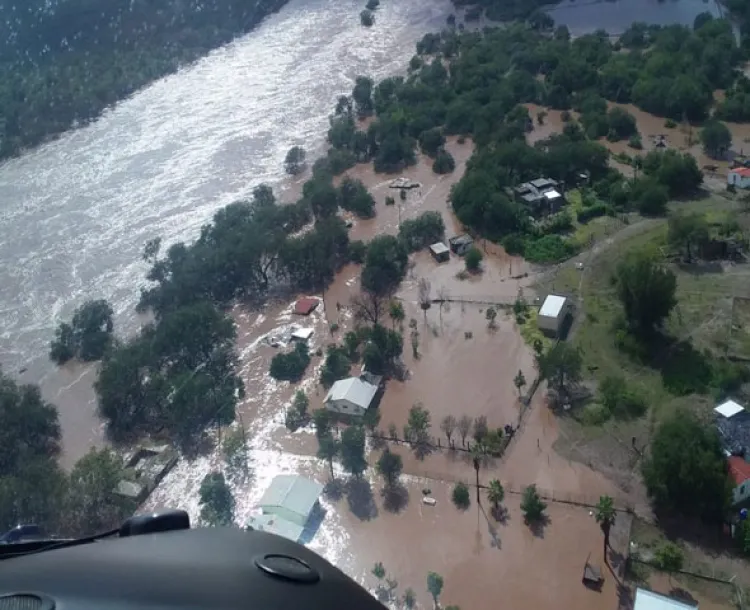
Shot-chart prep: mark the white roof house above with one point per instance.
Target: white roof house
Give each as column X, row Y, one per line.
column 648, row 600
column 302, row 334
column 728, row 409
column 552, row 195
column 552, row 313
column 291, row 497
column 351, row 396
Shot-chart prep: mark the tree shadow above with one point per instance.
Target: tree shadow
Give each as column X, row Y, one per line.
column 395, row 497
column 378, row 441
column 500, row 514
column 334, row 490
column 198, row 445
column 625, row 599
column 615, row 560
column 360, row 498
column 422, row 450
column 495, row 543
column 683, row 596
column 537, row 526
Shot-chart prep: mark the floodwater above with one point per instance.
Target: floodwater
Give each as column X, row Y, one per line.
column 584, row 16
column 76, row 213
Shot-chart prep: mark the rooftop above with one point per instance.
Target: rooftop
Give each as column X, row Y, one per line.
column 355, row 390
column 552, row 306
column 739, row 469
column 439, row 248
column 302, row 334
column 293, row 492
column 729, row 408
column 276, row 525
column 541, row 183
column 741, row 171
column 305, row 306
column 735, row 433
column 648, row 600
column 552, row 194
column 461, row 239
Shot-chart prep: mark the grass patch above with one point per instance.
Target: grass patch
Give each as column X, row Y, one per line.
column 738, row 343
column 529, row 328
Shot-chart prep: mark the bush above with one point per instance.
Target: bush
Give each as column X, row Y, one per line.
column 444, row 162
column 431, row 141
column 335, row 367
column 366, row 18
column 532, row 506
column 295, row 160
column 297, row 415
column 669, row 557
column 670, row 124
column 594, row 211
column 565, row 116
column 338, row 161
column 390, row 200
column 357, row 251
column 292, row 365
column 635, row 142
column 372, row 5
column 354, row 197
column 514, row 244
column 621, row 400
column 422, row 231
column 594, row 414
column 473, row 259
column 460, row 496
column 549, row 249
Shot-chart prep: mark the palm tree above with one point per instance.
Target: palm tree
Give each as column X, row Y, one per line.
column 605, row 517
column 478, row 455
column 495, row 493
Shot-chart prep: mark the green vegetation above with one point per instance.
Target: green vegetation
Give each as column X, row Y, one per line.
column 422, row 231
column 716, row 139
column 216, row 500
column 87, row 337
column 460, row 496
column 63, row 64
column 335, row 367
column 290, row 366
column 297, row 415
column 385, row 265
column 605, row 517
column 686, row 470
column 353, row 450
column 294, row 162
column 532, row 506
column 435, row 586
column 473, row 259
column 669, row 557
column 354, row 196
column 33, row 487
column 389, row 466
column 366, row 18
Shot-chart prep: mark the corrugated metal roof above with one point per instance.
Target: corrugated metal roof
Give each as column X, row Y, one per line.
column 295, row 493
column 741, row 171
column 739, row 469
column 648, row 600
column 552, row 306
column 354, row 390
column 729, row 408
column 439, row 248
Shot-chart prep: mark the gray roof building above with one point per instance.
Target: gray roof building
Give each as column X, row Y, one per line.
column 352, row 396
column 291, row 497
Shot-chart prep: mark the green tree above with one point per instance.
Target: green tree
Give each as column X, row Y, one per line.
column 495, row 493
column 490, row 315
column 335, row 367
column 532, row 506
column 473, row 259
column 389, row 467
column 354, row 197
column 328, row 447
column 378, row 570
column 88, row 335
column 422, row 231
column 290, row 366
column 353, row 450
column 646, row 291
column 431, row 141
column 650, row 197
column 435, row 586
column 236, row 454
column 90, row 504
column 687, row 230
column 716, row 139
column 685, row 472
column 417, row 429
column 561, row 365
column 444, row 162
column 294, row 162
column 410, row 599
column 669, row 557
column 216, row 500
column 396, row 312
column 385, row 265
column 519, row 381
column 366, row 18
column 460, row 496
column 605, row 516
column 297, row 415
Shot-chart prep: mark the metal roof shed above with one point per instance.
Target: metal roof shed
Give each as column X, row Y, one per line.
column 351, row 396
column 552, row 313
column 728, row 409
column 648, row 600
column 291, row 497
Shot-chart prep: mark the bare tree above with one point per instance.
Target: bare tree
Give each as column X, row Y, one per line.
column 464, row 426
column 481, row 429
column 368, row 307
column 448, row 426
column 442, row 295
column 425, row 300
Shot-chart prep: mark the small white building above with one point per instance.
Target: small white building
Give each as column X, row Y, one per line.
column 302, row 334
column 552, row 313
column 286, row 506
column 440, row 252
column 649, row 600
column 739, row 177
column 728, row 409
column 352, row 396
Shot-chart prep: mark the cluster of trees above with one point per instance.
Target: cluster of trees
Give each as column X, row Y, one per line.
column 65, row 62
column 506, row 10
column 87, row 337
column 216, row 500
column 175, row 378
column 33, row 487
column 349, row 447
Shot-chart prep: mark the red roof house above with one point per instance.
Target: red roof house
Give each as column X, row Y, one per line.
column 739, row 470
column 305, row 306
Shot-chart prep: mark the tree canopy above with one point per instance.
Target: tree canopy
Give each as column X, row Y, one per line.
column 87, row 337
column 686, row 471
column 216, row 500
column 716, row 139
column 385, row 265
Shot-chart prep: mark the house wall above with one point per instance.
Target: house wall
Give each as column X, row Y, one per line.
column 739, row 181
column 344, row 407
column 549, row 323
column 741, row 492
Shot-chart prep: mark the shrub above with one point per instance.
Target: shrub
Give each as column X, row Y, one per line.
column 594, row 211
column 422, row 231
column 473, row 259
column 366, row 18
column 619, row 399
column 390, row 200
column 444, row 162
column 461, row 496
column 670, row 124
column 549, row 249
column 594, row 414
column 357, row 251
column 290, row 366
